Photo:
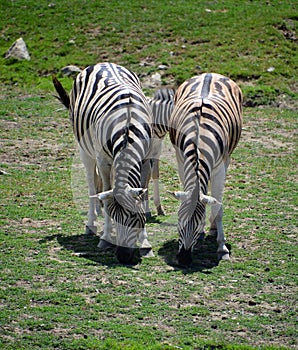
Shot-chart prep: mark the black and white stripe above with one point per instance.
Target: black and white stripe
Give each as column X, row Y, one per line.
column 112, row 122
column 162, row 105
column 205, row 127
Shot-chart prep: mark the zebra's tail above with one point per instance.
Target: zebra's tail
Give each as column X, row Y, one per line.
column 63, row 95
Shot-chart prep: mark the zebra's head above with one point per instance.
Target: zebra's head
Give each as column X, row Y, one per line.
column 124, row 206
column 191, row 221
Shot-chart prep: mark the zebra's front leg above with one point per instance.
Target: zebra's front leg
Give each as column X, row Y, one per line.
column 217, row 182
column 222, row 250
column 107, row 240
column 145, row 246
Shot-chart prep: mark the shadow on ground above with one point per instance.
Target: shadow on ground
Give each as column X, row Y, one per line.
column 204, row 255
column 85, row 246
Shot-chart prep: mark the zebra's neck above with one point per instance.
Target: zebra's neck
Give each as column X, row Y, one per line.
column 195, row 181
column 127, row 170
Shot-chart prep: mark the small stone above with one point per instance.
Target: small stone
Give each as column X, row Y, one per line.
column 70, row 70
column 18, row 50
column 26, row 220
column 153, row 81
column 156, row 77
column 162, row 67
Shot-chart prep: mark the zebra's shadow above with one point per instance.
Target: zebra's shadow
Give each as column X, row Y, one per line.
column 86, row 247
column 204, row 255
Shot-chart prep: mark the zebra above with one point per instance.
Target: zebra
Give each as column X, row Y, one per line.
column 205, row 127
column 162, row 106
column 112, row 123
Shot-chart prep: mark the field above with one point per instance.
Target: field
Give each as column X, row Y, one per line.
column 57, row 290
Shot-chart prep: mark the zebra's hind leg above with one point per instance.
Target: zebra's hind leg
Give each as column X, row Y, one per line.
column 217, row 183
column 98, row 185
column 156, row 152
column 93, row 181
column 145, row 178
column 156, row 194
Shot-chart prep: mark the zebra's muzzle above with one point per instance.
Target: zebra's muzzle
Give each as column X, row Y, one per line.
column 125, row 255
column 184, row 257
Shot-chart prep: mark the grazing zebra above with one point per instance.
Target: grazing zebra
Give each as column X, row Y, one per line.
column 205, row 127
column 162, row 105
column 112, row 122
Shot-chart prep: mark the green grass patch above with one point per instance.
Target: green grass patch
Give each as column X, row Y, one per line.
column 250, row 41
column 57, row 290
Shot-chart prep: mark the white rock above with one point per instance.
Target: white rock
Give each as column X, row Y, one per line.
column 18, row 50
column 162, row 67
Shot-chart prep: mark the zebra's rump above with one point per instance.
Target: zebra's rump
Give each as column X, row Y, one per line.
column 208, row 113
column 109, row 110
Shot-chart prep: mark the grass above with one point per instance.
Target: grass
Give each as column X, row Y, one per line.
column 240, row 39
column 57, row 291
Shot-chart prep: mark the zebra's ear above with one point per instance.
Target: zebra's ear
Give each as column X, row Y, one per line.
column 180, row 195
column 104, row 195
column 208, row 200
column 135, row 192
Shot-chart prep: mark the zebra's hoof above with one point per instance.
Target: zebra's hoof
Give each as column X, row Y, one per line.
column 90, row 230
column 146, row 253
column 105, row 245
column 223, row 256
column 160, row 211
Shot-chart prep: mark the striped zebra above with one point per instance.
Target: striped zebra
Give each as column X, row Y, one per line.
column 205, row 127
column 112, row 123
column 162, row 106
